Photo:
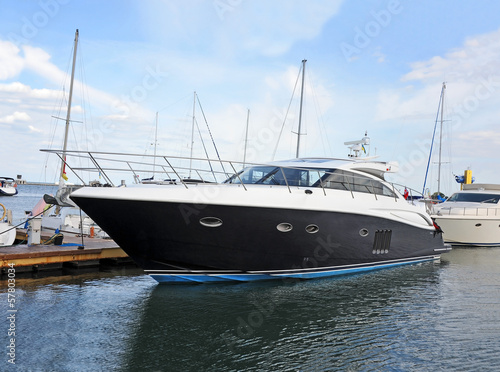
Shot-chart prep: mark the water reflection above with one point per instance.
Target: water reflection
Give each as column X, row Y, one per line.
column 353, row 322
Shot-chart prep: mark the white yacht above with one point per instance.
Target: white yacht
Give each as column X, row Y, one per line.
column 471, row 217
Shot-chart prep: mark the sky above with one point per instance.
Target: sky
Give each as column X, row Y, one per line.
column 374, row 66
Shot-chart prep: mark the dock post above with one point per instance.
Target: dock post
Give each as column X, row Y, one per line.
column 34, row 231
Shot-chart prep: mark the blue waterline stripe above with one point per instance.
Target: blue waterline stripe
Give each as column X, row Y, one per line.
column 206, row 278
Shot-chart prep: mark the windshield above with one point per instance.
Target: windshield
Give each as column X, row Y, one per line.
column 474, row 198
column 271, row 175
column 314, row 177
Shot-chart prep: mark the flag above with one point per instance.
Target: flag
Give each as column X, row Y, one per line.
column 63, row 175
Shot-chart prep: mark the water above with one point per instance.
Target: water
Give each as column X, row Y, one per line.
column 25, row 200
column 428, row 317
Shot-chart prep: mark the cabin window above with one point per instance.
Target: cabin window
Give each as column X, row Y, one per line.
column 269, row 175
column 475, row 198
column 349, row 181
column 328, row 178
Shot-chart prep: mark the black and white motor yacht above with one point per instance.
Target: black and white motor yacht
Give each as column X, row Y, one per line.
column 301, row 218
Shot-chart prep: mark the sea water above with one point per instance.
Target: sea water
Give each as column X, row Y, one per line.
column 428, row 317
column 26, row 199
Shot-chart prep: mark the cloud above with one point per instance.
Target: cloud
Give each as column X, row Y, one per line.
column 287, row 22
column 11, row 64
column 471, row 74
column 15, row 117
column 34, row 130
column 39, row 61
column 230, row 27
column 26, row 91
column 479, row 56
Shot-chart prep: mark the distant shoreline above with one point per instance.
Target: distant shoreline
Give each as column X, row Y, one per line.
column 39, row 183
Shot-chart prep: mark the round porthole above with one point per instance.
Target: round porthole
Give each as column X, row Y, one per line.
column 312, row 229
column 284, row 227
column 363, row 232
column 211, row 221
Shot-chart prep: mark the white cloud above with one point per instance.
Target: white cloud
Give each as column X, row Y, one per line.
column 15, row 117
column 472, row 77
column 479, row 56
column 34, row 130
column 25, row 91
column 11, row 64
column 266, row 27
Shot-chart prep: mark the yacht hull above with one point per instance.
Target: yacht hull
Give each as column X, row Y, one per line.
column 10, row 191
column 181, row 241
column 470, row 231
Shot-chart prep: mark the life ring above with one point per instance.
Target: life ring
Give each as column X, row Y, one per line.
column 4, row 212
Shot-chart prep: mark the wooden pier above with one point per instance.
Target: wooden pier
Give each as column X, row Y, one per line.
column 70, row 253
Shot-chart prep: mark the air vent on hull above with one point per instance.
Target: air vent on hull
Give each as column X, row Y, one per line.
column 382, row 241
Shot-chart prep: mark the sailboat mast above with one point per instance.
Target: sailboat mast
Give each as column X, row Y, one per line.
column 441, row 140
column 246, row 140
column 300, row 109
column 156, row 141
column 68, row 114
column 192, row 135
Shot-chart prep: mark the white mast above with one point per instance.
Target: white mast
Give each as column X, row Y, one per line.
column 68, row 115
column 440, row 140
column 156, row 141
column 300, row 110
column 192, row 135
column 246, row 140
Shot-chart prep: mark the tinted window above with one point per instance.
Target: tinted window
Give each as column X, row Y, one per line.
column 328, row 178
column 345, row 180
column 474, row 198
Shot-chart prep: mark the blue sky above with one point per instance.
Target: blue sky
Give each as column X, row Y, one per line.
column 372, row 65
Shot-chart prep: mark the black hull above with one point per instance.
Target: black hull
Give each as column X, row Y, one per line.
column 168, row 239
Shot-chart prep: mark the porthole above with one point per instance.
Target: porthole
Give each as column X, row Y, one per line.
column 363, row 232
column 312, row 229
column 284, row 227
column 478, row 225
column 210, row 221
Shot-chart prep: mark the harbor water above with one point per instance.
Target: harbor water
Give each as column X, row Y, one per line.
column 428, row 317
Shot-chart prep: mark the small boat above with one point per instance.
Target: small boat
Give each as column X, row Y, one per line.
column 8, row 186
column 471, row 217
